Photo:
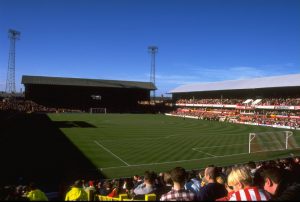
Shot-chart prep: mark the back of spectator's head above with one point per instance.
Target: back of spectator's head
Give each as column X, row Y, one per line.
column 239, row 175
column 201, row 173
column 150, row 176
column 167, row 178
column 251, row 165
column 272, row 177
column 136, row 177
column 32, row 186
column 211, row 173
column 77, row 184
column 258, row 179
column 273, row 173
column 228, row 170
column 107, row 185
column 129, row 184
column 178, row 175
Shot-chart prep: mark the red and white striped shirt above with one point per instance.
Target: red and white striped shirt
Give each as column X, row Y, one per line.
column 250, row 194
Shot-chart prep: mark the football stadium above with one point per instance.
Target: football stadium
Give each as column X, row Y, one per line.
column 217, row 117
column 59, row 136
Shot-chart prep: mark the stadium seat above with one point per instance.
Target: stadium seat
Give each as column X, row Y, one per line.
column 123, row 197
column 150, row 197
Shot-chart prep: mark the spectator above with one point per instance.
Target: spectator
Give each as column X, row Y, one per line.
column 137, row 180
column 230, row 191
column 35, row 194
column 116, row 189
column 241, row 181
column 279, row 185
column 128, row 187
column 105, row 189
column 148, row 185
column 167, row 184
column 212, row 190
column 193, row 184
column 178, row 193
column 76, row 193
column 90, row 190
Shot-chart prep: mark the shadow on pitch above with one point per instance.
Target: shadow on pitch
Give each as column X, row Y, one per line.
column 33, row 148
column 73, row 124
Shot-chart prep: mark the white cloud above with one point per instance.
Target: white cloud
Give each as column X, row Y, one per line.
column 199, row 75
column 229, row 73
column 176, row 79
column 239, row 72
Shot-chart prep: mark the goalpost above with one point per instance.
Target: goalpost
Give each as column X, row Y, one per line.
column 98, row 110
column 271, row 141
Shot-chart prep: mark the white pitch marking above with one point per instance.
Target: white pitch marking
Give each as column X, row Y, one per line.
column 100, row 145
column 196, row 149
column 170, row 162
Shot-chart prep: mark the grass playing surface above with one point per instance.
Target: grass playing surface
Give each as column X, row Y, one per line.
column 122, row 145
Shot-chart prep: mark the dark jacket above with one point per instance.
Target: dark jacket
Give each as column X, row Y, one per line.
column 211, row 192
column 287, row 192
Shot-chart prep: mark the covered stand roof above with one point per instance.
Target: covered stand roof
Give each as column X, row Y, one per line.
column 42, row 80
column 292, row 80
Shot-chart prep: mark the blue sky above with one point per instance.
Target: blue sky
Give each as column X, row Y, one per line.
column 198, row 40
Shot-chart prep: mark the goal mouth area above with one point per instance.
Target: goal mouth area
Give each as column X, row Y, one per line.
column 271, row 141
column 99, row 110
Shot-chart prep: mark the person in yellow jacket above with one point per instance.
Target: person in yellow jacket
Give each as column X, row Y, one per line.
column 35, row 194
column 76, row 193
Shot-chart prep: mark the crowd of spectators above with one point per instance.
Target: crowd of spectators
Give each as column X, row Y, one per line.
column 278, row 112
column 266, row 180
column 9, row 104
column 28, row 192
column 281, row 101
column 279, row 118
column 295, row 123
column 264, row 101
column 210, row 101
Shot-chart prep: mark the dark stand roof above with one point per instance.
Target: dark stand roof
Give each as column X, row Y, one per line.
column 43, row 80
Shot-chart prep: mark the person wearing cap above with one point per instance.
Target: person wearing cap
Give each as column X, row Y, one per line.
column 90, row 190
column 76, row 193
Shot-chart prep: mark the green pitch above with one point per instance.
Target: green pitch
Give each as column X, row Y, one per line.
column 122, row 145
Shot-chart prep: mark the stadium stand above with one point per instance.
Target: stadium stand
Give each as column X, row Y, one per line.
column 58, row 92
column 242, row 177
column 275, row 112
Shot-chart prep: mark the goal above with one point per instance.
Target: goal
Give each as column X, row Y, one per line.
column 271, row 141
column 98, row 110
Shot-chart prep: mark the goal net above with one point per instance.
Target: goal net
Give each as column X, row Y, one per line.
column 98, row 110
column 271, row 141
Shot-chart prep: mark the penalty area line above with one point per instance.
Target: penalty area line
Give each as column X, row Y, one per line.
column 170, row 162
column 181, row 161
column 196, row 149
column 100, row 145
